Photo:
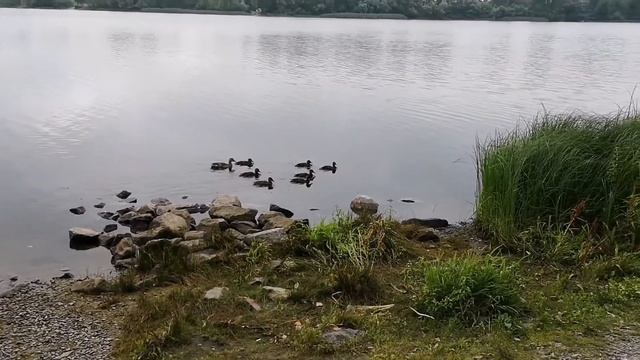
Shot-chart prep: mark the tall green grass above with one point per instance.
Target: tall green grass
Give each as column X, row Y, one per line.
column 563, row 171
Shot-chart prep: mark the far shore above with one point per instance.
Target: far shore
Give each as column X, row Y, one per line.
column 337, row 15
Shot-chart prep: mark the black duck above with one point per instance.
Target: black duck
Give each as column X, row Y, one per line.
column 307, row 164
column 331, row 167
column 264, row 183
column 248, row 163
column 223, row 165
column 251, row 174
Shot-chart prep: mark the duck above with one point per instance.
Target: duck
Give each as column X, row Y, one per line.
column 254, row 174
column 310, row 175
column 299, row 180
column 331, row 167
column 307, row 164
column 223, row 165
column 248, row 163
column 264, row 183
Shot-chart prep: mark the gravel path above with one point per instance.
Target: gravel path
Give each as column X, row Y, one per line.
column 47, row 321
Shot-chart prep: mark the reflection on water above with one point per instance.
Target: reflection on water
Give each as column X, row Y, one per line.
column 96, row 102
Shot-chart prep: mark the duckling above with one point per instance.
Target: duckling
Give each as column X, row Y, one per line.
column 299, row 180
column 306, row 164
column 249, row 174
column 248, row 163
column 262, row 183
column 331, row 167
column 223, row 165
column 309, row 175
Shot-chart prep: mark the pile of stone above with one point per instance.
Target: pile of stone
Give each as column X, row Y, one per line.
column 162, row 222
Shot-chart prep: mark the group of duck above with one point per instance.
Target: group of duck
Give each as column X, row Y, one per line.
column 303, row 178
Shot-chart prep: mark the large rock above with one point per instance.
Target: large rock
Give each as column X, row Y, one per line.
column 107, row 215
column 233, row 213
column 245, row 227
column 91, row 286
column 163, row 209
column 107, row 240
column 160, row 201
column 169, row 225
column 140, row 222
column 208, row 256
column 194, row 245
column 279, row 222
column 124, row 249
column 148, row 209
column 195, row 208
column 123, row 194
column 267, row 215
column 83, row 238
column 286, row 212
column 432, row 222
column 270, row 236
column 125, row 218
column 233, row 234
column 78, row 210
column 339, row 336
column 194, row 235
column 110, row 228
column 212, row 227
column 126, row 210
column 226, row 200
column 426, row 234
column 364, row 205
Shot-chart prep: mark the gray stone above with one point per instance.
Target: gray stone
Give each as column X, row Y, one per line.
column 125, row 218
column 140, row 222
column 233, row 213
column 226, row 200
column 271, row 236
column 83, row 238
column 90, row 286
column 126, row 210
column 123, row 194
column 78, row 210
column 106, row 240
column 194, row 235
column 216, row 293
column 234, row 234
column 195, row 208
column 212, row 227
column 169, row 225
column 194, row 245
column 267, row 215
column 206, row 256
column 160, row 201
column 364, row 205
column 279, row 222
column 129, row 263
column 147, row 209
column 277, row 293
column 124, row 249
column 99, row 205
column 245, row 227
column 163, row 209
column 426, row 234
column 107, row 215
column 110, row 228
column 340, row 336
column 131, row 200
column 432, row 222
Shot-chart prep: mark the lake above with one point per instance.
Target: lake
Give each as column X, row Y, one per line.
column 92, row 103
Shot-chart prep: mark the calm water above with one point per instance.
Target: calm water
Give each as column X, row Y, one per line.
column 95, row 102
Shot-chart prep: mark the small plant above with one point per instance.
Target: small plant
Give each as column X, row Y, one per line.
column 356, row 282
column 258, row 253
column 470, row 289
column 621, row 292
column 125, row 282
column 616, row 267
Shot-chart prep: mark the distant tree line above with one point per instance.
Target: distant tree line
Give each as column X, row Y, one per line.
column 555, row 10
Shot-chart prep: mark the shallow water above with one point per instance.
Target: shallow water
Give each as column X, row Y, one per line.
column 95, row 102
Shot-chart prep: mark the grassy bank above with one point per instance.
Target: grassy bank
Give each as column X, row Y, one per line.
column 566, row 186
column 447, row 300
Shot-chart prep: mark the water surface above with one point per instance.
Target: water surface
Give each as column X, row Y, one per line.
column 95, row 102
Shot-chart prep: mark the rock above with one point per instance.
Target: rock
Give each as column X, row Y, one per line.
column 339, row 336
column 124, row 249
column 126, row 210
column 271, row 236
column 90, row 286
column 169, row 225
column 185, row 197
column 216, row 293
column 233, row 234
column 67, row 275
column 279, row 222
column 14, row 278
column 78, row 210
column 245, row 227
column 195, row 208
column 283, row 211
column 206, row 256
column 125, row 218
column 267, row 215
column 131, row 200
column 163, row 209
column 282, row 264
column 83, row 238
column 277, row 293
column 123, row 194
column 226, row 200
column 107, row 215
column 99, row 205
column 147, row 209
column 431, row 223
column 194, row 235
column 409, row 201
column 160, row 201
column 233, row 213
column 110, row 228
column 426, row 234
column 194, row 245
column 257, row 281
column 364, row 205
column 107, row 240
column 140, row 222
column 129, row 263
column 212, row 227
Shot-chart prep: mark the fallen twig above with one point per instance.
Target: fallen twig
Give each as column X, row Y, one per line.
column 421, row 314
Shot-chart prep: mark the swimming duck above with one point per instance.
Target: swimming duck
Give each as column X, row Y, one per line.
column 248, row 163
column 253, row 174
column 306, row 164
column 331, row 167
column 223, row 165
column 310, row 175
column 299, row 180
column 262, row 183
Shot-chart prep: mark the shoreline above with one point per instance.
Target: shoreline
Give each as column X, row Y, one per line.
column 339, row 15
